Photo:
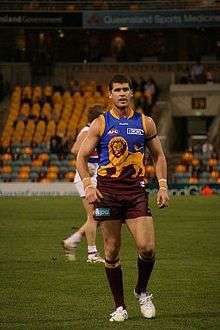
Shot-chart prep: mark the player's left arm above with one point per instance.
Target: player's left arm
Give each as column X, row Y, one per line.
column 159, row 158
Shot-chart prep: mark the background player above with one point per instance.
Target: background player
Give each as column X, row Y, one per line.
column 89, row 228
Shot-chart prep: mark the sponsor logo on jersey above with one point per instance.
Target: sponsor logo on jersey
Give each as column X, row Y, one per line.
column 102, row 212
column 113, row 131
column 123, row 124
column 135, row 131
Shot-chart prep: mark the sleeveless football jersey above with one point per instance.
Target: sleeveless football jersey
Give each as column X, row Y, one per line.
column 121, row 149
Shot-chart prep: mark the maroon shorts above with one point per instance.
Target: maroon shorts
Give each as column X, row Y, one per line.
column 122, row 205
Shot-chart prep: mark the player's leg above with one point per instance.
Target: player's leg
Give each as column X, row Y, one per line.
column 142, row 229
column 71, row 242
column 90, row 228
column 111, row 232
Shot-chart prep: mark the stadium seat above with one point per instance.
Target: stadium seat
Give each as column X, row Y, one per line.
column 6, row 169
column 44, row 157
column 180, row 168
column 34, row 176
column 193, row 180
column 69, row 176
column 52, row 176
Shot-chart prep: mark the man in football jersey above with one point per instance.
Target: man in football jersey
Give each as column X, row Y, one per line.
column 120, row 136
column 89, row 228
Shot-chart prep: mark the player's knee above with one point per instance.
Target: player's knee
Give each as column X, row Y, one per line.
column 147, row 252
column 112, row 247
column 112, row 243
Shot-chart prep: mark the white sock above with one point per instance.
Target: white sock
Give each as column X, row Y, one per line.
column 92, row 249
column 75, row 238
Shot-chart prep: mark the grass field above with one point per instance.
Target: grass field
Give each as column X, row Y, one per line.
column 40, row 290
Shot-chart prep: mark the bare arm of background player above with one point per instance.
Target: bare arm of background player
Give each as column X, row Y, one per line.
column 80, row 138
column 92, row 194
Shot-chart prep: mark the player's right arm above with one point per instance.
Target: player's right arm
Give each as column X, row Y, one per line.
column 89, row 144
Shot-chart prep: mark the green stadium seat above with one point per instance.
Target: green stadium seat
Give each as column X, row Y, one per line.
column 37, row 151
column 34, row 176
column 36, row 169
column 53, row 157
column 17, row 163
column 70, row 156
column 204, row 175
column 71, row 169
column 26, row 144
column 203, row 181
column 6, row 177
column 14, row 176
column 63, row 169
column 64, row 162
column 43, row 169
column 7, row 162
column 44, row 147
column 54, row 162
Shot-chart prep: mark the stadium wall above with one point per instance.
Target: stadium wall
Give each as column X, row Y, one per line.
column 68, row 189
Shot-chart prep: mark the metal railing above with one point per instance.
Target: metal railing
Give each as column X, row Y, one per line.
column 47, row 5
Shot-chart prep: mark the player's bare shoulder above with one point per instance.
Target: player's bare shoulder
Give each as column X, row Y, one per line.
column 149, row 126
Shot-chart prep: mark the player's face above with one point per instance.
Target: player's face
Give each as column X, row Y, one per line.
column 121, row 95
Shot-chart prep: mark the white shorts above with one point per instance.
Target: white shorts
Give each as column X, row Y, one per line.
column 78, row 182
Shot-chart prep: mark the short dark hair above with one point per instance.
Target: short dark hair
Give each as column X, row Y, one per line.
column 94, row 112
column 118, row 78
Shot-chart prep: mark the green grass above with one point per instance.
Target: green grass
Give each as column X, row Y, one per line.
column 40, row 290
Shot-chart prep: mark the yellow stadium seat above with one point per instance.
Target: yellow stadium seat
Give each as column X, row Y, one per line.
column 52, row 176
column 27, row 151
column 23, row 176
column 24, row 169
column 195, row 162
column 70, row 176
column 215, row 174
column 6, row 169
column 6, row 156
column 187, row 157
column 37, row 162
column 44, row 157
column 180, row 168
column 212, row 162
column 193, row 180
column 53, row 169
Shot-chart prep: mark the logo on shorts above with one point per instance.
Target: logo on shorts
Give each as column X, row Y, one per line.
column 142, row 184
column 135, row 131
column 102, row 212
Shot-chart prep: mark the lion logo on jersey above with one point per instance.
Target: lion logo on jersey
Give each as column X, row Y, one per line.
column 120, row 157
column 117, row 150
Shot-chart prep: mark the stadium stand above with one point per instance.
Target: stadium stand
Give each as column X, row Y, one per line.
column 197, row 167
column 40, row 115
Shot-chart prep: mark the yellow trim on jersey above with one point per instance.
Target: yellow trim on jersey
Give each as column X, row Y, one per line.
column 102, row 124
column 113, row 112
column 144, row 123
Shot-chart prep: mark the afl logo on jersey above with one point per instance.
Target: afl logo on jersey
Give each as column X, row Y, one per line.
column 135, row 131
column 113, row 131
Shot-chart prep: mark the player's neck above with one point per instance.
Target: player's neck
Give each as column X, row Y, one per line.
column 124, row 112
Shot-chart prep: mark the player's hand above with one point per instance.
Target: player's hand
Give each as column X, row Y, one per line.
column 162, row 198
column 93, row 195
